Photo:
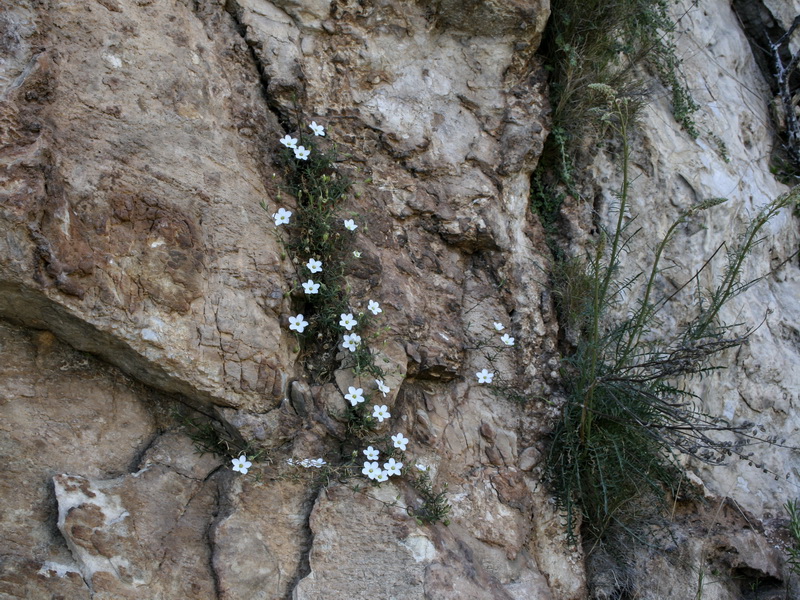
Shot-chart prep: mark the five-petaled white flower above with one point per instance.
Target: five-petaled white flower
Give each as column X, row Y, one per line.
column 289, row 141
column 421, row 467
column 282, row 217
column 309, row 287
column 348, row 322
column 356, row 253
column 317, row 463
column 392, row 467
column 499, row 326
column 317, row 129
column 301, row 153
column 374, row 307
column 350, row 225
column 354, row 395
column 351, row 341
column 485, row 376
column 371, row 453
column 297, row 323
column 371, row 469
column 314, row 265
column 400, row 441
column 380, row 412
column 382, row 476
column 507, row 340
column 241, row 464
column 384, row 389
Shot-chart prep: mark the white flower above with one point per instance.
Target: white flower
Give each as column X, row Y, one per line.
column 355, row 395
column 499, row 326
column 309, row 287
column 350, row 224
column 301, row 153
column 384, row 389
column 282, row 217
column 290, row 461
column 305, row 463
column 297, row 323
column 356, row 253
column 313, row 265
column 392, row 467
column 351, row 341
column 485, row 376
column 348, row 322
column 371, row 469
column 507, row 340
column 374, row 307
column 400, row 441
column 382, row 476
column 318, row 463
column 317, row 129
column 241, row 464
column 380, row 412
column 289, row 141
column 371, row 453
column 421, row 467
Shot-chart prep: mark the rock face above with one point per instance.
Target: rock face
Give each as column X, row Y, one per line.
column 141, row 282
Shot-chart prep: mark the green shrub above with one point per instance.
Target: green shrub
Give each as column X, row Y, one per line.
column 614, row 452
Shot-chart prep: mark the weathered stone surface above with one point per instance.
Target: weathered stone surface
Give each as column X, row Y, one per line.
column 138, row 140
column 131, row 195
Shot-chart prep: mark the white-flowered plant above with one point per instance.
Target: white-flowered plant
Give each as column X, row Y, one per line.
column 317, row 463
column 507, row 340
column 485, row 376
column 356, row 254
column 241, row 464
column 318, row 130
column 351, row 341
column 347, row 321
column 381, row 412
column 314, row 265
column 499, row 326
column 350, row 225
column 400, row 441
column 421, row 467
column 371, row 469
column 309, row 287
column 289, row 141
column 382, row 476
column 371, row 453
column 382, row 387
column 392, row 467
column 282, row 217
column 374, row 307
column 301, row 153
column 297, row 323
column 354, row 395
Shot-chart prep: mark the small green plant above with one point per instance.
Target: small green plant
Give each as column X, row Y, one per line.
column 793, row 508
column 591, row 42
column 614, row 453
column 434, row 506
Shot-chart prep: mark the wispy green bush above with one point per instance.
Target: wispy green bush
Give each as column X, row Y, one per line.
column 627, row 419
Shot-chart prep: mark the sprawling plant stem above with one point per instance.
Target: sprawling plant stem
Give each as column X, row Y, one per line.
column 614, row 453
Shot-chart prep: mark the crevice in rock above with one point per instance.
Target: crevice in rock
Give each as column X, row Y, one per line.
column 235, row 10
column 304, row 564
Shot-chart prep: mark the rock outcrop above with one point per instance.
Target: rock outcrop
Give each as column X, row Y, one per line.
column 142, row 283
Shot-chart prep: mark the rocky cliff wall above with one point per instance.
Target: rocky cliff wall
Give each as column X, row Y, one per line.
column 140, row 281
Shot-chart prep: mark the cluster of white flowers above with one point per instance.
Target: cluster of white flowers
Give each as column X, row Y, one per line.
column 300, row 152
column 484, row 375
column 372, row 468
